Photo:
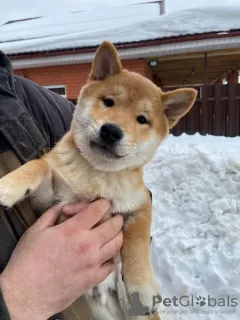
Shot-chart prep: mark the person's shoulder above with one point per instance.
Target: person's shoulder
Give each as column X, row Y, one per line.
column 51, row 112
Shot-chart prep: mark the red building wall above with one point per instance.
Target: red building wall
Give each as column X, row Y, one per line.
column 74, row 76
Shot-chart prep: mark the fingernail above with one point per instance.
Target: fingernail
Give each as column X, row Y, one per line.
column 120, row 217
column 117, row 258
column 67, row 209
column 105, row 204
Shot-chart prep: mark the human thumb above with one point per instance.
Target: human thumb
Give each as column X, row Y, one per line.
column 47, row 219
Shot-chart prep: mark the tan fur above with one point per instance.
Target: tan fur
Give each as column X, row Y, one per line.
column 74, row 170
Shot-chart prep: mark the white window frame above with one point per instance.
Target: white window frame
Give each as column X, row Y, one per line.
column 58, row 86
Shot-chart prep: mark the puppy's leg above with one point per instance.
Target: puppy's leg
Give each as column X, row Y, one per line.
column 104, row 304
column 138, row 275
column 23, row 181
column 109, row 311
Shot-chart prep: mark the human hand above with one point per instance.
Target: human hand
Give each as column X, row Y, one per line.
column 53, row 265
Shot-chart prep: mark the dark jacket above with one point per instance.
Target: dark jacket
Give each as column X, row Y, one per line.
column 32, row 120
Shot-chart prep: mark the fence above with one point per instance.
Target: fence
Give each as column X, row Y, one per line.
column 216, row 112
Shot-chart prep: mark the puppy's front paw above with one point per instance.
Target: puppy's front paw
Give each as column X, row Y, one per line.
column 12, row 191
column 143, row 299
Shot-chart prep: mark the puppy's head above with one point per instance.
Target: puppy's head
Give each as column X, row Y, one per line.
column 122, row 117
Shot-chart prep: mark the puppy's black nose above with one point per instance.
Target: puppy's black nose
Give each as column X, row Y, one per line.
column 110, row 133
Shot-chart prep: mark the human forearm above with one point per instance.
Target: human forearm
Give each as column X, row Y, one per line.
column 14, row 304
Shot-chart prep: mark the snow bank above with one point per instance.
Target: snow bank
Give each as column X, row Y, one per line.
column 119, row 25
column 195, row 182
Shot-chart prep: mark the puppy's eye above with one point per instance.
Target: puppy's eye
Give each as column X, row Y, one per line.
column 142, row 120
column 108, row 102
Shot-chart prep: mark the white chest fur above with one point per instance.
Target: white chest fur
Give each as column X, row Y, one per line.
column 81, row 182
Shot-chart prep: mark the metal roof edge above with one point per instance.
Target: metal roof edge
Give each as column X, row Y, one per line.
column 133, row 53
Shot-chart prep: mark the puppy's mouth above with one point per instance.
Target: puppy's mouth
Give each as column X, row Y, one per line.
column 104, row 150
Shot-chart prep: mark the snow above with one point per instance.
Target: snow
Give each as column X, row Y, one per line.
column 119, row 25
column 15, row 9
column 195, row 182
column 176, row 5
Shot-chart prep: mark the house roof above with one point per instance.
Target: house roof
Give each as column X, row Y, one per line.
column 122, row 26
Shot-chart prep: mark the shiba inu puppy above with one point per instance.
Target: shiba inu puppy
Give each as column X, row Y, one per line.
column 120, row 120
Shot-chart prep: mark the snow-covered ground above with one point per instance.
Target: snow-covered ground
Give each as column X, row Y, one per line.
column 195, row 183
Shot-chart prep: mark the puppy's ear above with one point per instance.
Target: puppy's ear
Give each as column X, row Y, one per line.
column 177, row 103
column 106, row 62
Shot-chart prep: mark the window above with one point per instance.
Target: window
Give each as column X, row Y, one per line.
column 59, row 89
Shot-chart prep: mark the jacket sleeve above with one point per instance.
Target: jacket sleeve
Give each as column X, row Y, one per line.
column 4, row 314
column 51, row 112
